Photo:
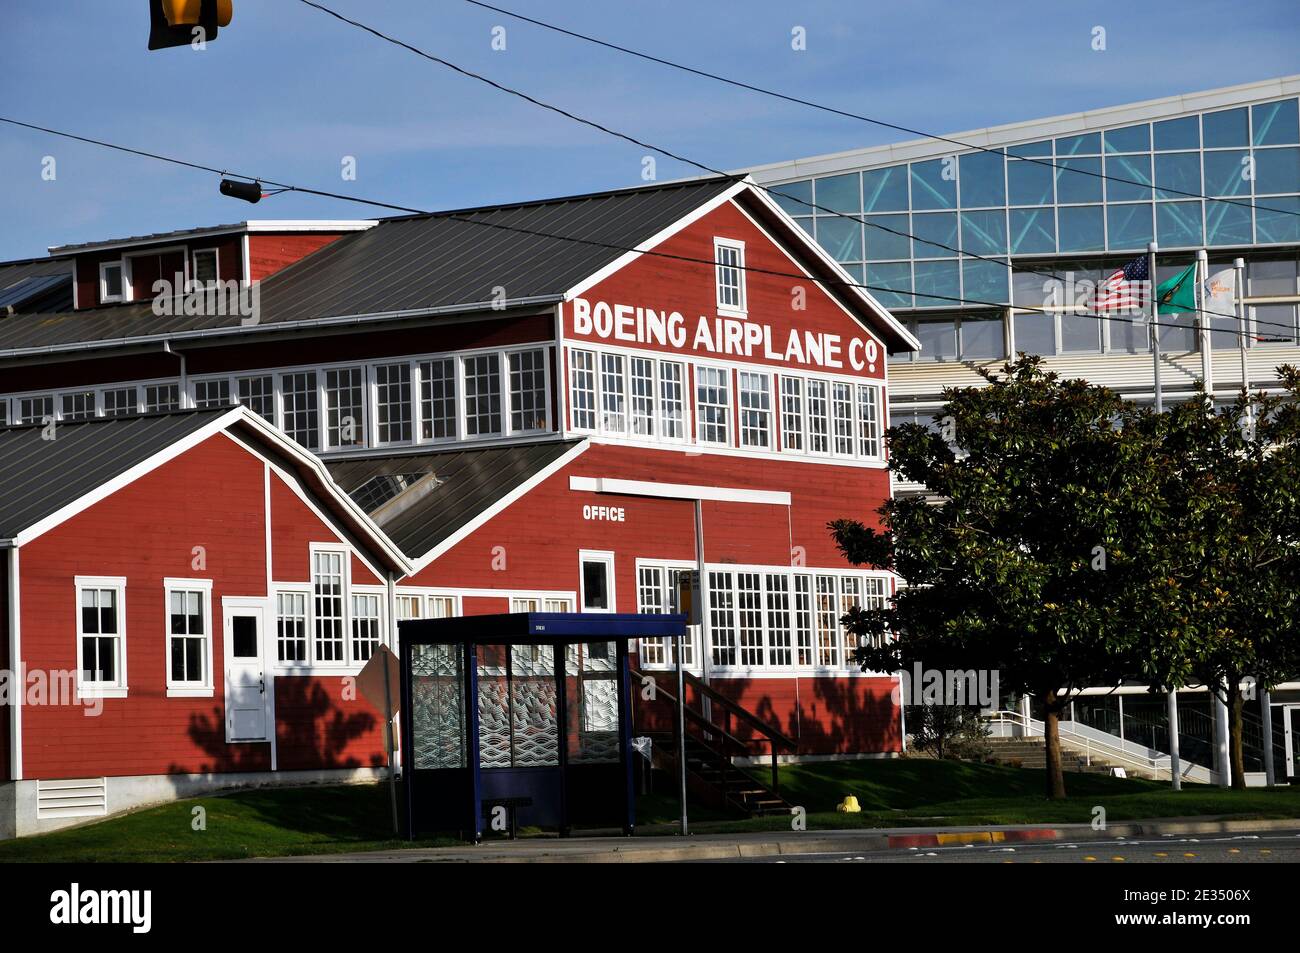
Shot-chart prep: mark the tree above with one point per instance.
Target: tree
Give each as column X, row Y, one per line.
column 949, row 730
column 1027, row 561
column 1233, row 566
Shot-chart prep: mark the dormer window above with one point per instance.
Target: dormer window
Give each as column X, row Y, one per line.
column 204, row 267
column 729, row 258
column 110, row 282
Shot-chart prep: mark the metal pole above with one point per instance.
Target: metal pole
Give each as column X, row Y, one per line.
column 1204, row 322
column 1266, row 715
column 1175, row 763
column 1152, row 248
column 703, row 648
column 1221, row 738
column 388, row 699
column 1239, row 305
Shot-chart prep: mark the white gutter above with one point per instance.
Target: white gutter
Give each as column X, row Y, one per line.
column 15, row 665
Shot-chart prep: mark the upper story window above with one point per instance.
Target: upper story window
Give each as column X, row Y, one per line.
column 729, row 258
column 203, row 266
column 713, row 404
column 111, row 283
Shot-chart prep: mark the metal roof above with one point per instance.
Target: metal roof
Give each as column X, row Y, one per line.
column 414, row 264
column 204, row 231
column 36, row 284
column 468, row 482
column 41, row 476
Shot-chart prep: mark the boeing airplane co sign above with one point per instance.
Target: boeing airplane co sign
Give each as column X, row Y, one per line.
column 722, row 336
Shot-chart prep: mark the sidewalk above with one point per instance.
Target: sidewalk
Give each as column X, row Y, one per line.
column 669, row 848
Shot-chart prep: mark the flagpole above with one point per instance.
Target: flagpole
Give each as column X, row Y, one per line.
column 1152, row 248
column 1239, row 305
column 1205, row 322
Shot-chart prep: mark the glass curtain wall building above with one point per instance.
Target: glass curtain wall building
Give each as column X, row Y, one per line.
column 953, row 240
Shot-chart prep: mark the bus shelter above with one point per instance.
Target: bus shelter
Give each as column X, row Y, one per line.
column 525, row 717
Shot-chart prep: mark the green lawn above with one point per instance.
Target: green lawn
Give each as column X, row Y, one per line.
column 262, row 823
column 892, row 793
column 919, row 792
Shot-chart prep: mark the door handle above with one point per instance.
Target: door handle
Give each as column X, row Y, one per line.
column 262, row 688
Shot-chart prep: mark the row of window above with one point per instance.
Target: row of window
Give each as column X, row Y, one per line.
column 454, row 397
column 768, row 618
column 647, row 398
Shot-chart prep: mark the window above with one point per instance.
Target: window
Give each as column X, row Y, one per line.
column 528, row 403
column 438, row 399
column 722, row 627
column 162, row 398
column 730, row 263
column 642, row 380
column 36, row 410
column 791, row 413
column 301, row 408
column 101, row 634
column 778, row 619
column 842, row 416
column 345, row 413
column 582, row 388
column 713, row 404
column 213, row 393
column 4, row 411
column 327, row 591
column 657, row 594
column 749, row 605
column 78, row 406
column 803, row 620
column 868, row 420
column 755, row 410
column 850, row 596
column 393, row 403
column 410, row 607
column 482, row 395
column 613, row 416
column 291, row 626
column 121, row 400
column 672, row 410
column 258, row 395
column 443, row 607
column 818, row 418
column 540, row 604
column 597, row 582
column 365, row 626
column 189, row 645
column 204, row 266
column 828, row 622
column 110, row 282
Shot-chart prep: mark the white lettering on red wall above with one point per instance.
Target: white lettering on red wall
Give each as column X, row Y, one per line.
column 608, row 514
column 732, row 337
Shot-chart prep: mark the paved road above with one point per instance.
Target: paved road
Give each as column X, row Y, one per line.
column 1272, row 847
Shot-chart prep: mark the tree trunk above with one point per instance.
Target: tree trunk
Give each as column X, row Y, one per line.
column 1052, row 744
column 1236, row 756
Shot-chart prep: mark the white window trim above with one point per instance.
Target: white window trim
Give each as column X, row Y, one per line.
column 216, row 262
column 732, row 437
column 772, row 403
column 315, row 549
column 694, row 633
column 297, row 588
column 724, row 310
column 104, row 296
column 188, row 689
column 596, row 556
column 98, row 689
column 128, row 269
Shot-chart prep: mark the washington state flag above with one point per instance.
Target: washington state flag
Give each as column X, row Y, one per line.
column 1178, row 294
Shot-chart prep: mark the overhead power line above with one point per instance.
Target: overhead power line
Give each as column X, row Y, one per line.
column 611, row 246
column 776, row 94
column 1003, row 262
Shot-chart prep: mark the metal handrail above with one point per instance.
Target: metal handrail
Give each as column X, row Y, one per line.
column 1108, row 751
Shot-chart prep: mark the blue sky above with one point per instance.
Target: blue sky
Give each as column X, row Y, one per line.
column 286, row 92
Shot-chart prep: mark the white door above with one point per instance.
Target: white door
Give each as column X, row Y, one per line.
column 1291, row 727
column 248, row 710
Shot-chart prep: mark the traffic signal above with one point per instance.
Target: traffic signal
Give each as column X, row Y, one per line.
column 181, row 22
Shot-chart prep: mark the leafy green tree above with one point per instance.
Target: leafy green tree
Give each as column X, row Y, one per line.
column 949, row 731
column 1232, row 567
column 1028, row 560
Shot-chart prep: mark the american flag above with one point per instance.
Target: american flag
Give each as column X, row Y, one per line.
column 1126, row 289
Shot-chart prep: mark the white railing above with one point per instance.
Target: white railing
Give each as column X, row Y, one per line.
column 1095, row 743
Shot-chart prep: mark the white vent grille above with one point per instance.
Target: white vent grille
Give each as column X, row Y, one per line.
column 72, row 797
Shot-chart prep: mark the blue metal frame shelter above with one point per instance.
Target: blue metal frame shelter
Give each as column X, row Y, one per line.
column 526, row 715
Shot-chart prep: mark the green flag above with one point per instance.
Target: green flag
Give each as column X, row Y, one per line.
column 1178, row 294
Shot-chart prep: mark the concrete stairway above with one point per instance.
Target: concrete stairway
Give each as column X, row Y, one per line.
column 1032, row 753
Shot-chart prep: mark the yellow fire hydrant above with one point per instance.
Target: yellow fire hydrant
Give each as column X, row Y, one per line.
column 849, row 805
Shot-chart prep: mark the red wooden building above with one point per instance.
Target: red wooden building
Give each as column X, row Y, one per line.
column 556, row 405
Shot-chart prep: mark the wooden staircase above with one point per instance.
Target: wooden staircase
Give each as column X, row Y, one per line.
column 712, row 746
